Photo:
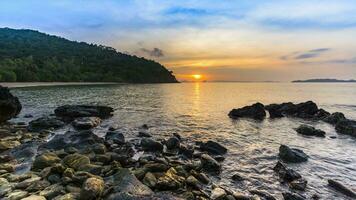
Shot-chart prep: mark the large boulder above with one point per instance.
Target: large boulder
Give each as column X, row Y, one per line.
column 310, row 131
column 292, row 155
column 75, row 111
column 10, row 105
column 44, row 123
column 286, row 174
column 255, row 111
column 84, row 123
column 347, row 127
column 306, row 110
column 303, row 110
column 341, row 188
column 213, row 147
column 334, row 118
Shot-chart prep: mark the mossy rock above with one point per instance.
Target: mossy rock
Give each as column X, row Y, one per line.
column 76, row 161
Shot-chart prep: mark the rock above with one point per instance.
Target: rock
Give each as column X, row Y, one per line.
column 310, row 131
column 45, row 160
column 347, row 127
column 286, row 174
column 237, row 177
column 54, row 178
column 76, row 161
column 335, row 118
column 69, row 196
column 10, row 105
column 44, row 123
column 187, row 151
column 241, row 196
column 17, row 195
column 7, row 167
column 34, row 197
column 144, row 133
column 156, row 167
column 274, row 110
column 292, row 196
column 213, row 147
column 149, row 144
column 84, row 123
column 125, row 184
column 193, row 182
column 255, row 111
column 299, row 184
column 217, row 194
column 173, row 143
column 92, row 189
column 75, row 111
column 170, row 181
column 292, row 155
column 26, row 183
column 203, row 178
column 263, row 194
column 80, row 141
column 150, row 180
column 38, row 185
column 305, row 110
column 115, row 136
column 322, row 114
column 27, row 116
column 341, row 188
column 209, row 164
column 98, row 148
column 8, row 144
column 5, row 188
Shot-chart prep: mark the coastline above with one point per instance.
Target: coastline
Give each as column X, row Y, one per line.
column 48, row 84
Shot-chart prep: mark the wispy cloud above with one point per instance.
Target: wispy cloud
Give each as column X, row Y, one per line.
column 305, row 55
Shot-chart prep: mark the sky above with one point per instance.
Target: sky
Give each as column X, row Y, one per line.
column 223, row 40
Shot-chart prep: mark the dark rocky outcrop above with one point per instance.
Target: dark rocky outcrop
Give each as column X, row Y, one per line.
column 75, row 111
column 149, row 144
column 209, row 164
column 342, row 188
column 292, row 155
column 213, row 147
column 305, row 110
column 310, row 131
column 347, row 127
column 292, row 196
column 335, row 118
column 44, row 123
column 84, row 123
column 10, row 105
column 115, row 137
column 286, row 174
column 255, row 111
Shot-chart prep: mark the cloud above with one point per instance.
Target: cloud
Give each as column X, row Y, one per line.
column 155, row 52
column 186, row 11
column 305, row 55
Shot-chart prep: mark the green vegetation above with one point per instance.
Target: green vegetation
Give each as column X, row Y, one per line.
column 27, row 55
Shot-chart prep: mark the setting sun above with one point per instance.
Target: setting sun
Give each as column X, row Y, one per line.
column 196, row 76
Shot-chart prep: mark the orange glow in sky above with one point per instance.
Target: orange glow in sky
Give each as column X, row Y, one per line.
column 196, row 76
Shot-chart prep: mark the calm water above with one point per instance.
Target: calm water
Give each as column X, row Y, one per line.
column 198, row 111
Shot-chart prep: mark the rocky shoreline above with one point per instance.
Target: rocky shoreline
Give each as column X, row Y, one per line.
column 37, row 165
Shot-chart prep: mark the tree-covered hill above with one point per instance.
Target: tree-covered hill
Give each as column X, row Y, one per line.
column 27, row 55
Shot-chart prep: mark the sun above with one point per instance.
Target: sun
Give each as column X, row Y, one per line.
column 196, row 76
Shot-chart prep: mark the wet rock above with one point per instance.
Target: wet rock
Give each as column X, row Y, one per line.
column 170, row 181
column 144, row 133
column 209, row 164
column 218, row 193
column 292, row 196
column 255, row 111
column 321, row 114
column 186, row 150
column 150, row 180
column 54, row 178
column 34, row 197
column 299, row 184
column 292, row 155
column 203, row 178
column 10, row 105
column 44, row 123
column 263, row 194
column 76, row 161
column 172, row 143
column 75, row 111
column 286, row 174
column 99, row 148
column 8, row 144
column 334, row 118
column 26, row 183
column 84, row 123
column 149, row 144
column 80, row 141
column 310, row 131
column 125, row 185
column 17, row 195
column 38, row 185
column 115, row 136
column 45, row 160
column 69, row 196
column 92, row 189
column 237, row 177
column 156, row 167
column 305, row 110
column 241, row 196
column 347, row 127
column 274, row 110
column 213, row 147
column 193, row 182
column 341, row 188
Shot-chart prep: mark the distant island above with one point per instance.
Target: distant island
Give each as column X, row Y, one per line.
column 327, row 80
column 32, row 56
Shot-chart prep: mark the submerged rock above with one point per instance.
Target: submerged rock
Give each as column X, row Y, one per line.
column 45, row 123
column 292, row 155
column 335, row 118
column 255, row 111
column 341, row 188
column 286, row 174
column 209, row 164
column 84, row 123
column 75, row 111
column 10, row 105
column 115, row 137
column 310, row 131
column 213, row 147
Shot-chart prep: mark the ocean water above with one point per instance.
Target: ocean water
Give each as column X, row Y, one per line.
column 198, row 111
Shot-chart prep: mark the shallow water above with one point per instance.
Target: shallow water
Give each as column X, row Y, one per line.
column 198, row 111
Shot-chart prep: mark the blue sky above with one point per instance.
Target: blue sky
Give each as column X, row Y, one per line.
column 221, row 39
